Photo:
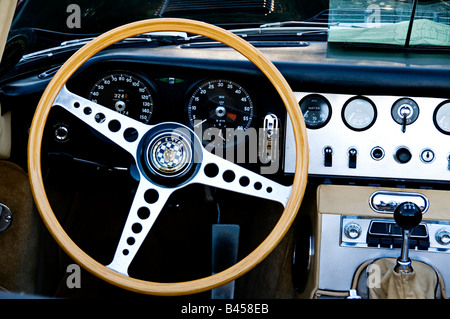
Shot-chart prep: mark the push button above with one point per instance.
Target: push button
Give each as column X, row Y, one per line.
column 403, row 155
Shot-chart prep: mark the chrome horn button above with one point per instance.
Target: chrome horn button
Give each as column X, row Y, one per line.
column 169, row 154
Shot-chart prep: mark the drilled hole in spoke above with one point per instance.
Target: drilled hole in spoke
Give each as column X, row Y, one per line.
column 100, row 118
column 143, row 213
column 76, row 105
column 257, row 186
column 130, row 134
column 87, row 110
column 244, row 181
column 136, row 228
column 151, row 196
column 211, row 170
column 125, row 252
column 131, row 241
column 114, row 126
column 269, row 189
column 228, row 176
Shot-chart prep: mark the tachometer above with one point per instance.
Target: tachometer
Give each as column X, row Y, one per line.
column 125, row 93
column 220, row 108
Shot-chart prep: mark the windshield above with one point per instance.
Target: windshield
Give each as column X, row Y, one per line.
column 46, row 24
column 390, row 22
column 87, row 17
column 75, row 19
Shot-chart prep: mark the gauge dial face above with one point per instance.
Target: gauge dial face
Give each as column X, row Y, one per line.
column 124, row 93
column 316, row 111
column 442, row 117
column 219, row 109
column 359, row 114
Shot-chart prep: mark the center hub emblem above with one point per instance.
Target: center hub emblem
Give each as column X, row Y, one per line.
column 169, row 154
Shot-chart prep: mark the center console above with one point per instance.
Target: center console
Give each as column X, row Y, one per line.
column 356, row 224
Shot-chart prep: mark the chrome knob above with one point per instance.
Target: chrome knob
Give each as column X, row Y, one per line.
column 443, row 236
column 352, row 230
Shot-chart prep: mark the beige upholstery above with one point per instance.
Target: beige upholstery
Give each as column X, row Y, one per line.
column 7, row 8
column 421, row 283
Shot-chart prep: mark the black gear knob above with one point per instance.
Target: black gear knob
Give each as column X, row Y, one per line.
column 407, row 215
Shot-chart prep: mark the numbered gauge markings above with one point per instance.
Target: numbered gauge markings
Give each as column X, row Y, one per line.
column 125, row 93
column 220, row 108
column 359, row 113
column 316, row 111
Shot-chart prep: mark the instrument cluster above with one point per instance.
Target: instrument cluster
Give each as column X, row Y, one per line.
column 359, row 113
column 216, row 106
column 375, row 136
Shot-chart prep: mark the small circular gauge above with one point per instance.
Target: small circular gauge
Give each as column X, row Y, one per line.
column 316, row 111
column 405, row 109
column 441, row 117
column 125, row 93
column 359, row 113
column 219, row 108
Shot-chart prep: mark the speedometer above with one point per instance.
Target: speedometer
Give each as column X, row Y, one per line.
column 220, row 108
column 125, row 93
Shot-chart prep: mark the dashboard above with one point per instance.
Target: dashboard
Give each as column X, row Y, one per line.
column 376, row 117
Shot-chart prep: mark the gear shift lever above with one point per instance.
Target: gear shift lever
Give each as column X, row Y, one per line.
column 407, row 216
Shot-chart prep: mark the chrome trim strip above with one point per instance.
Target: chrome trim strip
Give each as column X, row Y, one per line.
column 386, row 202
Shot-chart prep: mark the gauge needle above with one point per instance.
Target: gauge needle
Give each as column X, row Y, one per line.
column 200, row 123
column 221, row 135
column 232, row 116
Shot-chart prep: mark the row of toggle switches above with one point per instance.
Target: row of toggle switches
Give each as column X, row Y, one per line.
column 402, row 156
column 328, row 157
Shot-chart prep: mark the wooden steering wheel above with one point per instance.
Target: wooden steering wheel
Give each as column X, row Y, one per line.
column 143, row 142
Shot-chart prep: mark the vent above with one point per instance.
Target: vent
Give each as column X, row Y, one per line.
column 171, row 8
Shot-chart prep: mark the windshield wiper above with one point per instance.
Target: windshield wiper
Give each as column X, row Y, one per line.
column 294, row 24
column 156, row 37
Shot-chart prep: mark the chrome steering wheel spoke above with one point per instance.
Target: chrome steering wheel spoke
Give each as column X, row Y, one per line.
column 218, row 172
column 120, row 129
column 148, row 203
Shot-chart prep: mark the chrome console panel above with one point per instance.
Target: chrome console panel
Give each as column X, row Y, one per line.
column 384, row 148
column 340, row 256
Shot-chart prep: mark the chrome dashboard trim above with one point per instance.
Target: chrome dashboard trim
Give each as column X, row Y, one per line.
column 385, row 134
column 386, row 202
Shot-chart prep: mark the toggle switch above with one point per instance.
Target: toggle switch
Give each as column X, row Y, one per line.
column 352, row 154
column 328, row 156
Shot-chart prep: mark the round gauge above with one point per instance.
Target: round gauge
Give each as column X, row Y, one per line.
column 359, row 113
column 124, row 93
column 441, row 117
column 316, row 111
column 219, row 108
column 405, row 108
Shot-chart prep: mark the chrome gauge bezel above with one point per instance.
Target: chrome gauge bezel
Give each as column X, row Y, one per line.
column 368, row 123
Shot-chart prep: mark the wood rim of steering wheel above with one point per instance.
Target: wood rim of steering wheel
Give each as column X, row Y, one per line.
column 100, row 43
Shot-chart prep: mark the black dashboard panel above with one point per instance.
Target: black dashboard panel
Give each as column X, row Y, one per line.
column 172, row 74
